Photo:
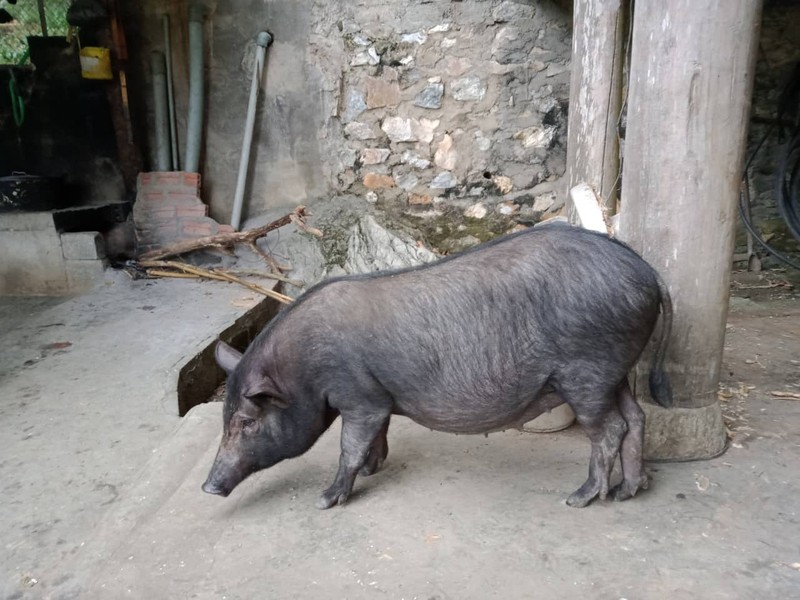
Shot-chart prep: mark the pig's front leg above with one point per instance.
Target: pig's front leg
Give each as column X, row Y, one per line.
column 359, row 434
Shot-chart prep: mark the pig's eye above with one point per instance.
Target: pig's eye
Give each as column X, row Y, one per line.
column 249, row 425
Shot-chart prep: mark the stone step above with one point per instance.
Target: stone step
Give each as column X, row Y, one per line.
column 106, row 567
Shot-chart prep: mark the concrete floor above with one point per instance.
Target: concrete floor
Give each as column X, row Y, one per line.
column 101, row 499
column 87, row 392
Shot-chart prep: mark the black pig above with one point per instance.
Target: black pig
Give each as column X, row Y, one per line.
column 481, row 341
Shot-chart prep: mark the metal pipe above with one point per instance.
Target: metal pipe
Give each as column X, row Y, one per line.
column 42, row 17
column 173, row 126
column 262, row 41
column 162, row 154
column 194, row 129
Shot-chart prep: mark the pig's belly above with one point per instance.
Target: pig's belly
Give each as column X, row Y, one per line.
column 476, row 416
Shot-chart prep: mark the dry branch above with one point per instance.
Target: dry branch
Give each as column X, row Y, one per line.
column 159, row 268
column 227, row 240
column 252, row 273
column 273, row 264
column 174, row 274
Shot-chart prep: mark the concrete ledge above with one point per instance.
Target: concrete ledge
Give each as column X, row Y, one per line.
column 83, row 275
column 37, row 260
column 199, row 376
column 83, row 245
column 678, row 434
column 27, row 221
column 32, row 263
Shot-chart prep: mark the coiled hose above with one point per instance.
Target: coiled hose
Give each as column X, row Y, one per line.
column 787, row 176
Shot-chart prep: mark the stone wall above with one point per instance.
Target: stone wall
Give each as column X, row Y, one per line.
column 419, row 103
column 461, row 102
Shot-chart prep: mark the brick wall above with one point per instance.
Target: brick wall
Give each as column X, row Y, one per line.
column 168, row 209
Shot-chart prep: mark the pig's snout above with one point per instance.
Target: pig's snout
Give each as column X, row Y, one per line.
column 212, row 487
column 225, row 474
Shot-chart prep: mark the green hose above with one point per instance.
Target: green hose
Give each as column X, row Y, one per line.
column 17, row 103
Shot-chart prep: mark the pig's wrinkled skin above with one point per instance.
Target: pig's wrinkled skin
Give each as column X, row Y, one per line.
column 478, row 342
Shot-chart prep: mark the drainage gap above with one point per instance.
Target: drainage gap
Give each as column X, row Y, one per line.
column 200, row 377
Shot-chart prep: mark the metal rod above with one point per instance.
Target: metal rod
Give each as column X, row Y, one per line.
column 173, row 126
column 163, row 162
column 262, row 41
column 42, row 17
column 194, row 129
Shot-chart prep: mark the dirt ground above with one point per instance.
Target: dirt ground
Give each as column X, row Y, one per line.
column 101, row 498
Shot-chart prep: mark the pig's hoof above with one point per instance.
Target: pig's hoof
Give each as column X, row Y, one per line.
column 623, row 492
column 371, row 467
column 377, row 454
column 331, row 498
column 627, row 489
column 579, row 501
column 368, row 470
column 583, row 496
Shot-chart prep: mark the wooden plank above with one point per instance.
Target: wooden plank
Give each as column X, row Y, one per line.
column 691, row 79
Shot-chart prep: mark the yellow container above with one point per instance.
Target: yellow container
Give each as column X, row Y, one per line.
column 96, row 63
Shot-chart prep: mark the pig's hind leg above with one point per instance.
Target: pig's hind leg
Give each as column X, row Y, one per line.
column 377, row 452
column 606, row 429
column 360, row 432
column 634, row 477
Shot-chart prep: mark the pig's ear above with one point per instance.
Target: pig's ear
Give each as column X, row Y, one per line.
column 227, row 357
column 264, row 391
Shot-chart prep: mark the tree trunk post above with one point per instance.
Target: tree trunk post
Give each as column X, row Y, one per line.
column 599, row 31
column 691, row 78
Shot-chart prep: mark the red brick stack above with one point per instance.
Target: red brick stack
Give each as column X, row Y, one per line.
column 168, row 209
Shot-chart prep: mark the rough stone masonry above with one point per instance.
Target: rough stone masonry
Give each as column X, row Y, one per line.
column 443, row 101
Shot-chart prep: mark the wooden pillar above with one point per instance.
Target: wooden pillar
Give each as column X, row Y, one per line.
column 691, row 79
column 599, row 32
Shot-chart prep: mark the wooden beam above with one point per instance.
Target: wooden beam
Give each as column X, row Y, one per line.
column 691, row 77
column 599, row 33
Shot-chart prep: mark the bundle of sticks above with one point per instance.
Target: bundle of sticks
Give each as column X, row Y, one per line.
column 154, row 265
